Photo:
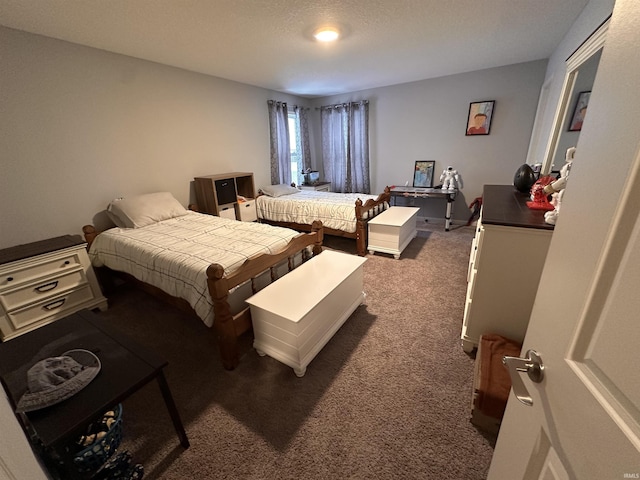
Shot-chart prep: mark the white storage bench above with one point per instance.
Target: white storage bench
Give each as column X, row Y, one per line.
column 392, row 230
column 294, row 317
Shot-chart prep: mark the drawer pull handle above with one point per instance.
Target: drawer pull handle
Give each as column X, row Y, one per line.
column 54, row 305
column 9, row 279
column 67, row 262
column 47, row 287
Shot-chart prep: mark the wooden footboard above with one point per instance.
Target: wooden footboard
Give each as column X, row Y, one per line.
column 227, row 326
column 364, row 213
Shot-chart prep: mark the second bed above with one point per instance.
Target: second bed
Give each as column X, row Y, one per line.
column 341, row 214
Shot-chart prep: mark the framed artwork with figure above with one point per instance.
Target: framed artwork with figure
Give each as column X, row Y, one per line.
column 579, row 112
column 479, row 119
column 423, row 173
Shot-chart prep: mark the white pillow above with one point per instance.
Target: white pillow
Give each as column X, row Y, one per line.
column 279, row 190
column 142, row 210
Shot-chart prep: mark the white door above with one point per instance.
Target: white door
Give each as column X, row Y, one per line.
column 585, row 419
column 17, row 460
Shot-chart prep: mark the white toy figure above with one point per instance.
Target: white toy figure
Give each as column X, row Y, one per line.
column 556, row 189
column 449, row 179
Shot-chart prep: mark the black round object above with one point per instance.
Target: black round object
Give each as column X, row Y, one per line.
column 524, row 178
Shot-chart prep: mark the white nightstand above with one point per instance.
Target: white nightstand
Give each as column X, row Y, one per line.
column 318, row 187
column 44, row 281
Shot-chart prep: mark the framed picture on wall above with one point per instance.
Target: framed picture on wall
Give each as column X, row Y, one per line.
column 479, row 119
column 423, row 173
column 579, row 111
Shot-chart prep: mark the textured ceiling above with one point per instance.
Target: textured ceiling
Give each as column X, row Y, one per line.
column 268, row 43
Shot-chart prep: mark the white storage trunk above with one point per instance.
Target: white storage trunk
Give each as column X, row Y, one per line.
column 294, row 317
column 392, row 230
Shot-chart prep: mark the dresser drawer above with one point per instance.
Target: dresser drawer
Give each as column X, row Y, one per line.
column 24, row 317
column 33, row 271
column 44, row 288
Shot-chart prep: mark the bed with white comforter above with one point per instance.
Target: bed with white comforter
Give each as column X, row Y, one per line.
column 342, row 214
column 210, row 264
column 334, row 210
column 174, row 254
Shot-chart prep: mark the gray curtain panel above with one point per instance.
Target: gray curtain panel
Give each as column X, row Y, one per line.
column 345, row 146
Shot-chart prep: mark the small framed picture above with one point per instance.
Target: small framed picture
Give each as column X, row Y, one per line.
column 423, row 173
column 479, row 120
column 579, row 111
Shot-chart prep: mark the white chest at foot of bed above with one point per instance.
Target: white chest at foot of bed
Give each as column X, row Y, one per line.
column 392, row 230
column 294, row 317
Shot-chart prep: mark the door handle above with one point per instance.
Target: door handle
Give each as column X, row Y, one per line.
column 532, row 365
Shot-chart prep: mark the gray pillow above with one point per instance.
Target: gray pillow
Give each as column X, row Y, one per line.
column 142, row 210
column 279, row 190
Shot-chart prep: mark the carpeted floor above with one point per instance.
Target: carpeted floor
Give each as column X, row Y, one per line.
column 387, row 398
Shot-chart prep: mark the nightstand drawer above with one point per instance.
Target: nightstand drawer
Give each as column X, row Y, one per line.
column 34, row 313
column 32, row 270
column 247, row 211
column 42, row 289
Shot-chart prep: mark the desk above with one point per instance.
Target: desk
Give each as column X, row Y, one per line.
column 126, row 367
column 417, row 192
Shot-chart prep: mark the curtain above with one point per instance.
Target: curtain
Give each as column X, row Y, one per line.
column 302, row 138
column 280, row 156
column 345, row 146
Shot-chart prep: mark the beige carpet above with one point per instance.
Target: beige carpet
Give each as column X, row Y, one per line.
column 387, row 398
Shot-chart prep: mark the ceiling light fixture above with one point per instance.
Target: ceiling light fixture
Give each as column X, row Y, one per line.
column 326, row 34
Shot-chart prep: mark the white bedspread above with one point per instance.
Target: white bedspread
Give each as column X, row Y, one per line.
column 335, row 210
column 174, row 254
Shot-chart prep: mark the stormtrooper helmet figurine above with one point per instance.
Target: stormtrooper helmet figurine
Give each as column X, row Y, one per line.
column 449, row 178
column 556, row 189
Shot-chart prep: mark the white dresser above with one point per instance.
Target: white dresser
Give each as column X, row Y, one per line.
column 506, row 261
column 44, row 281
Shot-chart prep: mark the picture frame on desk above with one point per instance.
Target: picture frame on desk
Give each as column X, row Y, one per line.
column 423, row 173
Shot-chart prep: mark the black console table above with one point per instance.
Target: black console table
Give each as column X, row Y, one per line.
column 126, row 367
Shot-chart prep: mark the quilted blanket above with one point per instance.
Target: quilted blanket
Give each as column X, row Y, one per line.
column 335, row 210
column 174, row 254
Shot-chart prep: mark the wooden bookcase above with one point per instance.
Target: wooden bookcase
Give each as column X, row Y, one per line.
column 217, row 194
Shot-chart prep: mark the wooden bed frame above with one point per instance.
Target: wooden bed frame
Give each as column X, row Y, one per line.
column 370, row 209
column 227, row 326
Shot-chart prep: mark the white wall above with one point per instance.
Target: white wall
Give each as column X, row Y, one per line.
column 80, row 126
column 427, row 120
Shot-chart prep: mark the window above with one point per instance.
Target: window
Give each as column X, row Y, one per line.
column 294, row 146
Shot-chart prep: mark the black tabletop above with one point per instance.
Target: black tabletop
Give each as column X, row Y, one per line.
column 126, row 366
column 504, row 205
column 27, row 250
